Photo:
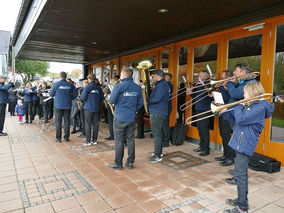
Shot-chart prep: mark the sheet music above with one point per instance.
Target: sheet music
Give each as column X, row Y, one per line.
column 47, row 99
column 218, row 99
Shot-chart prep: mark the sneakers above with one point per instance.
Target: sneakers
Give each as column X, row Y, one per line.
column 87, row 143
column 153, row 154
column 155, row 159
column 235, row 210
column 232, row 202
column 94, row 142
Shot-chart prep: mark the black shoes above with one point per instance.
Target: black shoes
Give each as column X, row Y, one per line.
column 66, row 139
column 231, row 181
column 129, row 165
column 109, row 138
column 115, row 166
column 166, row 145
column 57, row 140
column 73, row 131
column 138, row 137
column 3, row 134
column 204, row 153
column 231, row 172
column 197, row 149
column 227, row 162
column 222, row 158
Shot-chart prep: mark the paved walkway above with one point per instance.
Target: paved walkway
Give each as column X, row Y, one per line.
column 38, row 175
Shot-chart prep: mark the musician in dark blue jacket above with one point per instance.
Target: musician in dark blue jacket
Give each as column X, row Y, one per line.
column 202, row 101
column 28, row 94
column 3, row 101
column 248, row 122
column 63, row 93
column 159, row 111
column 127, row 98
column 92, row 96
column 37, row 107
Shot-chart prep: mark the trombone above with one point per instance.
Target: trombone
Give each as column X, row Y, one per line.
column 216, row 110
column 214, row 84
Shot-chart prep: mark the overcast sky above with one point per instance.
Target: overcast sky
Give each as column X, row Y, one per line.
column 9, row 10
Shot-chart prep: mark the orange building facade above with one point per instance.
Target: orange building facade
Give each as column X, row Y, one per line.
column 260, row 43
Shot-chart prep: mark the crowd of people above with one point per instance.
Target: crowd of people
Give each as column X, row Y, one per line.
column 79, row 106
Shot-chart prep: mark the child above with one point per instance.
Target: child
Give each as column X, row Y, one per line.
column 20, row 110
column 248, row 120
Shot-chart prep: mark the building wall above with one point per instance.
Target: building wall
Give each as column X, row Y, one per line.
column 261, row 44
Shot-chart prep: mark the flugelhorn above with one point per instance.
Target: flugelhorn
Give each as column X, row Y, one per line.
column 216, row 109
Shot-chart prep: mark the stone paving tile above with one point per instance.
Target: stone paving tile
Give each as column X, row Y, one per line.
column 36, row 170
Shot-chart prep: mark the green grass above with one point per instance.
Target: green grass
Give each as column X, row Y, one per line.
column 277, row 122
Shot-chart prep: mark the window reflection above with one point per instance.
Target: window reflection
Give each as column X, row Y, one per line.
column 114, row 70
column 165, row 60
column 106, row 74
column 247, row 49
column 277, row 127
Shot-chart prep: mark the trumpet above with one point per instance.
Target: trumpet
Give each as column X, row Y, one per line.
column 216, row 109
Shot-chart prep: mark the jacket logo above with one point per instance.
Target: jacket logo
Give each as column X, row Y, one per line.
column 94, row 91
column 130, row 94
column 64, row 87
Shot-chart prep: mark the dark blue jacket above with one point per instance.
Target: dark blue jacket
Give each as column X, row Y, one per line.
column 171, row 87
column 92, row 95
column 225, row 94
column 63, row 92
column 4, row 92
column 248, row 124
column 35, row 97
column 203, row 101
column 20, row 110
column 28, row 95
column 159, row 98
column 128, row 99
column 236, row 90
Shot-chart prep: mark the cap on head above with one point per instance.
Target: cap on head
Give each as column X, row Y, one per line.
column 159, row 72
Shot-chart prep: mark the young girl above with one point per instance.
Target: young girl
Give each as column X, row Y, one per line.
column 20, row 110
column 248, row 120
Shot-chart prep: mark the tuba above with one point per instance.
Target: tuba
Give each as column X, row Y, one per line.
column 143, row 65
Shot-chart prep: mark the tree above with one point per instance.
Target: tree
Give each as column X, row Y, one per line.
column 29, row 68
column 74, row 74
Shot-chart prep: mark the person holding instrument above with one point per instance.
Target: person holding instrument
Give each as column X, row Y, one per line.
column 202, row 105
column 4, row 100
column 248, row 120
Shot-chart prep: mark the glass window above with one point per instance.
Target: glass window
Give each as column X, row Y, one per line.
column 98, row 73
column 277, row 127
column 205, row 58
column 247, row 49
column 114, row 69
column 106, row 74
column 122, row 65
column 165, row 60
column 182, row 73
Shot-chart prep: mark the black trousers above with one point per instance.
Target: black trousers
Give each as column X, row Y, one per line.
column 50, row 107
column 45, row 111
column 76, row 118
column 140, row 126
column 110, row 123
column 82, row 117
column 35, row 108
column 167, row 131
column 12, row 105
column 203, row 131
column 29, row 111
column 124, row 131
column 65, row 114
column 92, row 120
column 225, row 132
column 2, row 116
